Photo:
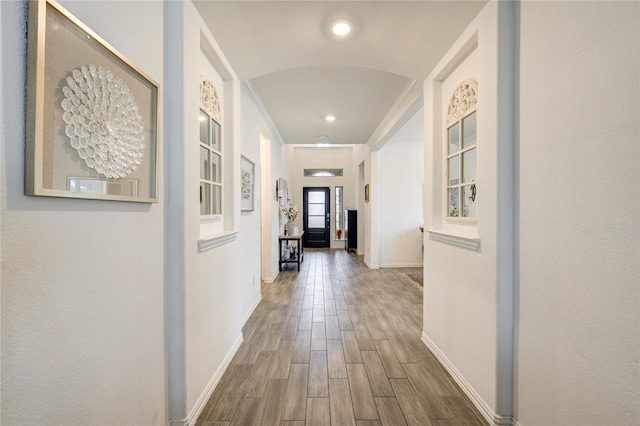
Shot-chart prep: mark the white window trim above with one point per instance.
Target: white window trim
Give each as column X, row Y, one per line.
column 210, row 105
column 462, row 104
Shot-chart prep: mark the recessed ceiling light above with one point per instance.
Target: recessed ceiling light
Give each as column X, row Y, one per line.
column 330, row 118
column 341, row 27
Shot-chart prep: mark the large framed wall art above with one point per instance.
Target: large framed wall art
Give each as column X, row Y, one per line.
column 92, row 116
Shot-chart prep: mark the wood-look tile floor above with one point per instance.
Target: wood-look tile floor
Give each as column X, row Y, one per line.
column 337, row 344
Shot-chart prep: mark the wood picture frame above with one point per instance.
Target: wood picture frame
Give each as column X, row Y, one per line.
column 92, row 127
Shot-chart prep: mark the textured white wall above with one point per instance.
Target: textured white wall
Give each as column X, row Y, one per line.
column 579, row 220
column 82, row 281
column 401, row 188
column 467, row 292
column 210, row 293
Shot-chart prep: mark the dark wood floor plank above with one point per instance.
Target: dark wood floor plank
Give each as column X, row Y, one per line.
column 365, row 342
column 351, row 348
column 270, row 409
column 291, row 328
column 410, row 405
column 376, row 332
column 364, row 407
column 255, row 386
column 378, row 380
column 306, row 316
column 335, row 360
column 389, row 360
column 246, row 412
column 330, row 307
column 332, row 328
column 340, row 403
column 318, row 337
column 318, row 376
column 295, row 403
column 318, row 313
column 303, row 347
column 344, row 320
column 428, row 391
column 318, row 413
column 390, row 412
column 280, row 363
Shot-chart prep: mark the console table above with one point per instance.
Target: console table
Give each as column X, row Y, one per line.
column 298, row 258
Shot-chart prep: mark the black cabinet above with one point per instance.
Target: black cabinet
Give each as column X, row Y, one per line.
column 351, row 229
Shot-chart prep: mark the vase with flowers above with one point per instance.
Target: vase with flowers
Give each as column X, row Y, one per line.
column 291, row 213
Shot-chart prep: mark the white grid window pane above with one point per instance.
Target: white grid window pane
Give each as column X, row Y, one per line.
column 469, row 203
column 454, row 170
column 316, row 197
column 205, row 197
column 204, row 128
column 469, row 166
column 454, row 139
column 316, row 221
column 216, row 143
column 454, row 202
column 469, row 131
column 204, row 163
column 217, row 200
column 316, row 209
column 216, row 168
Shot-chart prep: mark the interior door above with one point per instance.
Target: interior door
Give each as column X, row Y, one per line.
column 316, row 217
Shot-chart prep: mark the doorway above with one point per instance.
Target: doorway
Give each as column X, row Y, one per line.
column 316, row 217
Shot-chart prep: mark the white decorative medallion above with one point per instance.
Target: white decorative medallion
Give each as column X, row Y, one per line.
column 209, row 99
column 103, row 120
column 463, row 102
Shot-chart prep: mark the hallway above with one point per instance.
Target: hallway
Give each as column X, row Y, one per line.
column 337, row 344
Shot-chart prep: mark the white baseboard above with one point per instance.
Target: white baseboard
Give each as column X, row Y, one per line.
column 271, row 279
column 211, row 386
column 252, row 308
column 486, row 411
column 402, row 265
column 370, row 265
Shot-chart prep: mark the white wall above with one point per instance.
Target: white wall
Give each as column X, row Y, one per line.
column 254, row 123
column 578, row 332
column 467, row 292
column 401, row 187
column 82, row 281
column 213, row 291
column 321, row 158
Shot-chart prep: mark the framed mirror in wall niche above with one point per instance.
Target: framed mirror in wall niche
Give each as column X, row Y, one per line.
column 92, row 115
column 461, row 148
column 211, row 151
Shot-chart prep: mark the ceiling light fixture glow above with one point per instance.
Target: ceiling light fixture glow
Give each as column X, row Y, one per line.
column 341, row 27
column 330, row 118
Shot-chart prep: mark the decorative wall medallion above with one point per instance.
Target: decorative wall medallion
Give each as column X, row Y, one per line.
column 463, row 102
column 103, row 120
column 209, row 99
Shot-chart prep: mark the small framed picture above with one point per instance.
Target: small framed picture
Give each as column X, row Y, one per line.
column 92, row 115
column 247, row 184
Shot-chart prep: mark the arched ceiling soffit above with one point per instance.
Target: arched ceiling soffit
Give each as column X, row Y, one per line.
column 299, row 99
column 405, row 38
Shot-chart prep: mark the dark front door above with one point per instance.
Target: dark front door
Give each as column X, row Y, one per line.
column 316, row 217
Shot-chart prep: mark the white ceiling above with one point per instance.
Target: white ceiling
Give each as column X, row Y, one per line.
column 301, row 72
